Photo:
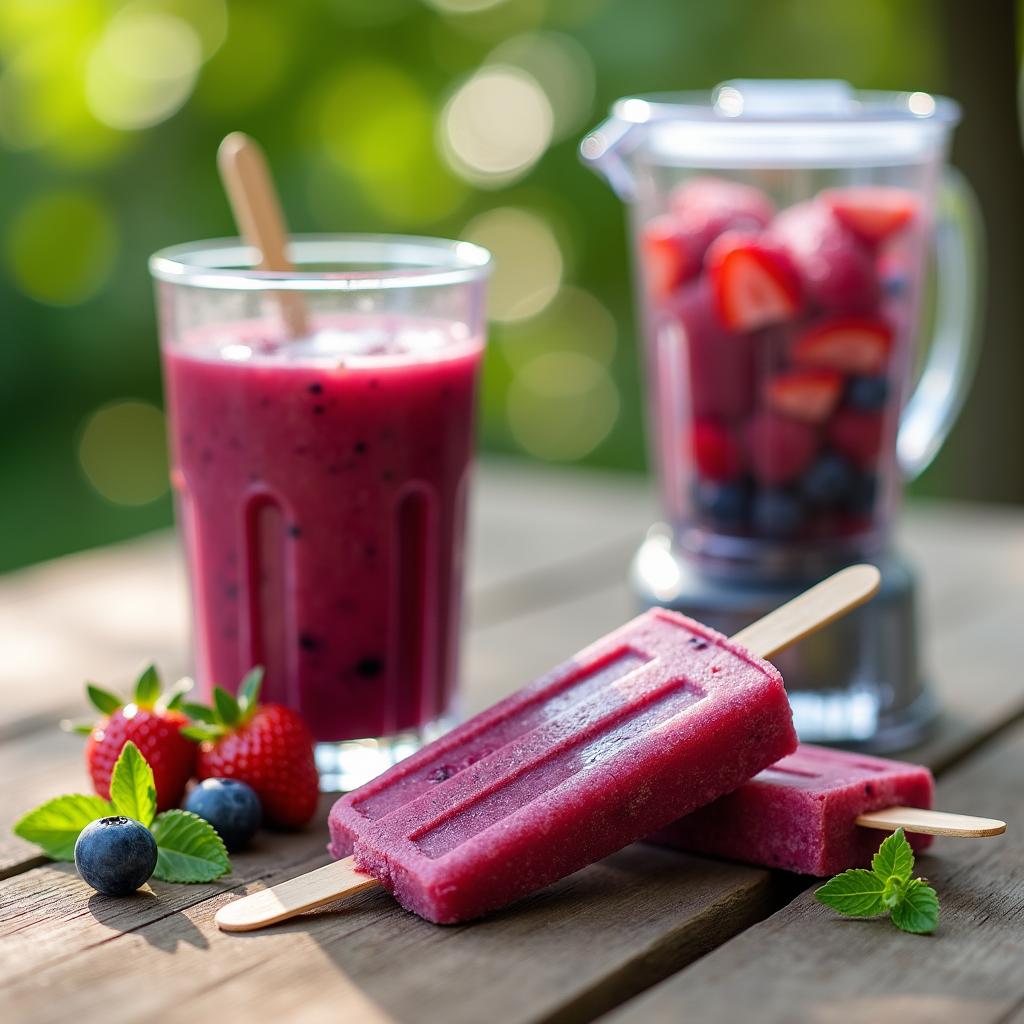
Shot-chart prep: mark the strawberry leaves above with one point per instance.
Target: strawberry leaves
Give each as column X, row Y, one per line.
column 147, row 687
column 102, row 700
column 228, row 712
column 887, row 888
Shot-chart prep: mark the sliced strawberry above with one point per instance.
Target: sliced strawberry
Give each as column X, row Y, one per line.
column 853, row 344
column 779, row 448
column 873, row 212
column 857, row 435
column 807, row 394
column 753, row 281
column 667, row 256
column 716, row 451
column 835, row 267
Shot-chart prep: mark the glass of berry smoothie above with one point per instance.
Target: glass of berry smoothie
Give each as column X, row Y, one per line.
column 322, row 480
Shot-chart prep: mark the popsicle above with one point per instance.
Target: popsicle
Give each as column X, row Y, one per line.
column 654, row 720
column 814, row 812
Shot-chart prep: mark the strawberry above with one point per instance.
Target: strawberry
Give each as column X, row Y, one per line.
column 154, row 723
column 857, row 435
column 872, row 212
column 706, row 206
column 834, row 264
column 667, row 256
column 753, row 280
column 722, row 377
column 716, row 451
column 806, row 394
column 267, row 746
column 779, row 448
column 853, row 344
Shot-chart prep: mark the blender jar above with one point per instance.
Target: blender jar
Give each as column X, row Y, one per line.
column 782, row 237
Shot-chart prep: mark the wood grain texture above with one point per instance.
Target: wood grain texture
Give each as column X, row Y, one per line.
column 806, row 963
column 567, row 953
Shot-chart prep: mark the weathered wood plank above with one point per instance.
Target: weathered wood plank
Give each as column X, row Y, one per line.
column 807, row 964
column 568, row 953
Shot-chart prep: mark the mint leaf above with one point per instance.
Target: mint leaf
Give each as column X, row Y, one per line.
column 132, row 788
column 188, row 849
column 147, row 687
column 895, row 858
column 103, row 700
column 249, row 689
column 917, row 911
column 55, row 825
column 227, row 707
column 857, row 892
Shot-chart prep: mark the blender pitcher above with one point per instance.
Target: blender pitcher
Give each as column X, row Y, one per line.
column 783, row 238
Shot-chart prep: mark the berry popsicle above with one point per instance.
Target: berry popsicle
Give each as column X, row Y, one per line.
column 650, row 722
column 814, row 813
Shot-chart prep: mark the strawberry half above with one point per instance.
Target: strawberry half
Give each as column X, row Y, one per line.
column 810, row 395
column 853, row 344
column 716, row 451
column 267, row 746
column 873, row 212
column 667, row 257
column 153, row 721
column 753, row 281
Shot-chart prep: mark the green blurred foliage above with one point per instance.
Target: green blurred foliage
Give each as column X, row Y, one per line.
column 345, row 95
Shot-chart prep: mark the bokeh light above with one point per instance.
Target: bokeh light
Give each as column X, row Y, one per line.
column 122, row 452
column 376, row 126
column 576, row 321
column 262, row 38
column 142, row 69
column 562, row 68
column 60, row 246
column 561, row 406
column 496, row 126
column 527, row 261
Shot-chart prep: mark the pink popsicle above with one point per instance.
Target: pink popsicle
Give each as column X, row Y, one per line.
column 800, row 813
column 649, row 723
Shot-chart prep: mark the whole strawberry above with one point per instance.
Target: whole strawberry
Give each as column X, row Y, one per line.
column 268, row 746
column 154, row 723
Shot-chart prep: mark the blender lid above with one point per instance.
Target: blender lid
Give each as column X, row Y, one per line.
column 782, row 123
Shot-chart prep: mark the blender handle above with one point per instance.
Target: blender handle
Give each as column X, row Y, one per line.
column 949, row 368
column 604, row 150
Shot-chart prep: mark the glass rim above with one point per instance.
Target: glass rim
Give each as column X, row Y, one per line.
column 876, row 106
column 407, row 261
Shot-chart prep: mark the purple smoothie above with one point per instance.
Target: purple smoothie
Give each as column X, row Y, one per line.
column 322, row 488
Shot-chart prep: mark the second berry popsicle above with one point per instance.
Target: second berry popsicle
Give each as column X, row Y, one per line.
column 808, row 812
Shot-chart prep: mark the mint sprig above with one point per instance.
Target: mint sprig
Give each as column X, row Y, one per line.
column 887, row 888
column 188, row 847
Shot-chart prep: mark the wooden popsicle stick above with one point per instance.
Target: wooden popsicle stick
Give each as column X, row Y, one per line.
column 813, row 609
column 932, row 823
column 297, row 895
column 257, row 209
column 810, row 611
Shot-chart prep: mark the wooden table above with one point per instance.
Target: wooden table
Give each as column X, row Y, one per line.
column 646, row 935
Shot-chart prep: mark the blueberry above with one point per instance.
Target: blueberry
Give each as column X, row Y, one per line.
column 230, row 806
column 726, row 505
column 777, row 514
column 862, row 497
column 830, row 480
column 115, row 855
column 867, row 393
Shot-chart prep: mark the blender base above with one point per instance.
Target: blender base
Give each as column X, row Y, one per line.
column 856, row 683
